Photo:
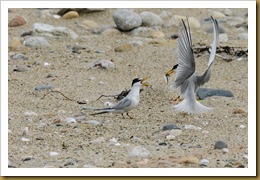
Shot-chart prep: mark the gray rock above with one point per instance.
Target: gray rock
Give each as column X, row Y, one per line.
column 126, row 20
column 220, row 145
column 140, row 30
column 139, row 151
column 170, row 127
column 36, row 42
column 43, row 87
column 243, row 36
column 41, row 29
column 20, row 56
column 21, row 68
column 204, row 162
column 205, row 92
column 151, row 19
column 27, row 158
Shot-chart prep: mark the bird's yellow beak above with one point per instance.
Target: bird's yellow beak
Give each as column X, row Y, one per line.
column 171, row 71
column 144, row 83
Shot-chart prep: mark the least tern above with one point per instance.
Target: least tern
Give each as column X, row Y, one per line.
column 186, row 80
column 128, row 103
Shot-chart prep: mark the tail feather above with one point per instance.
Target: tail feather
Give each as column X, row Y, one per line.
column 102, row 112
column 191, row 107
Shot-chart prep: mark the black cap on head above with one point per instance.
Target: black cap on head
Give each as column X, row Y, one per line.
column 136, row 80
column 175, row 66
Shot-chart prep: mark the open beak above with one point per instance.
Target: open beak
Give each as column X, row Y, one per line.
column 144, row 83
column 168, row 74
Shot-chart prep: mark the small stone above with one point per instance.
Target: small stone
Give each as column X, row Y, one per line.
column 189, row 160
column 157, row 34
column 239, row 111
column 165, row 14
column 56, row 16
column 25, row 139
column 45, row 13
column 217, row 14
column 17, row 21
column 136, row 43
column 192, row 127
column 90, row 24
column 228, row 12
column 15, row 43
column 53, row 153
column 158, row 41
column 243, row 36
column 225, row 150
column 70, row 120
column 124, row 47
column 126, row 20
column 30, row 113
column 92, row 78
column 163, row 144
column 113, row 142
column 27, row 158
column 150, row 19
column 111, row 31
column 220, row 145
column 204, row 162
column 36, row 42
column 21, row 68
column 242, row 126
column 170, row 137
column 170, row 127
column 223, row 37
column 43, row 87
column 25, row 131
column 174, row 36
column 20, row 56
column 70, row 15
column 104, row 64
column 193, row 22
column 139, row 151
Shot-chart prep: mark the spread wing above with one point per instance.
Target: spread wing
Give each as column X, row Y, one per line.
column 206, row 76
column 186, row 66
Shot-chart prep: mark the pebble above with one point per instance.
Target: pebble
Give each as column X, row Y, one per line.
column 20, row 56
column 89, row 24
column 41, row 29
column 36, row 41
column 243, row 36
column 220, row 145
column 124, row 47
column 228, row 12
column 53, row 153
column 45, row 13
column 217, row 14
column 176, row 21
column 165, row 14
column 151, row 19
column 56, row 16
column 25, row 131
column 157, row 34
column 170, row 127
column 92, row 122
column 17, row 21
column 189, row 160
column 192, row 127
column 15, row 43
column 111, row 31
column 10, row 164
column 43, row 87
column 21, row 68
column 105, row 64
column 170, row 137
column 25, row 139
column 139, row 151
column 70, row 120
column 242, row 126
column 225, row 150
column 62, row 11
column 126, row 20
column 239, row 111
column 206, row 92
column 70, row 15
column 223, row 37
column 193, row 22
column 113, row 142
column 27, row 158
column 174, row 36
column 136, row 43
column 30, row 113
column 142, row 30
column 204, row 162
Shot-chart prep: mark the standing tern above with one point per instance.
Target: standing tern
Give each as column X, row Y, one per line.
column 128, row 103
column 186, row 81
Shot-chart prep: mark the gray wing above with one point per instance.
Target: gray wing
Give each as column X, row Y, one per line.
column 186, row 65
column 123, row 104
column 206, row 76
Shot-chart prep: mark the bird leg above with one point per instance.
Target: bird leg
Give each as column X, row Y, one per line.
column 123, row 115
column 129, row 116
